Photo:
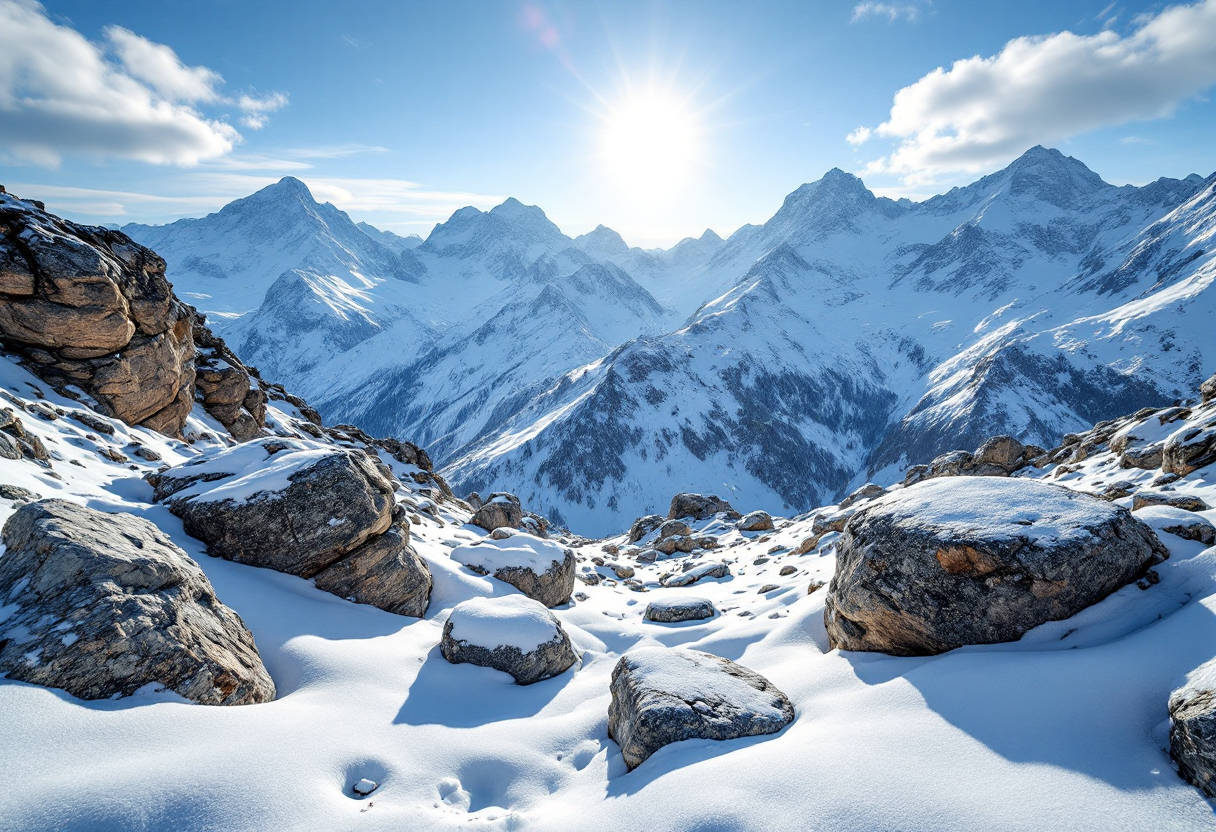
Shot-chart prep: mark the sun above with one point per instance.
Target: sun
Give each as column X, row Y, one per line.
column 650, row 143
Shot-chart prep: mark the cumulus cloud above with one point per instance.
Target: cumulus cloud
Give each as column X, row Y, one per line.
column 891, row 11
column 983, row 112
column 126, row 97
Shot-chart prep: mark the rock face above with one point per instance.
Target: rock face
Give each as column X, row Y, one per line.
column 644, row 526
column 699, row 507
column 1193, row 729
column 513, row 634
column 90, row 308
column 663, row 695
column 224, row 387
column 679, row 609
column 498, row 511
column 757, row 521
column 106, row 604
column 975, row 561
column 1207, row 390
column 1189, row 449
column 305, row 508
column 540, row 569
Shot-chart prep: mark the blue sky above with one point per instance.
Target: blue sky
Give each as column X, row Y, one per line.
column 657, row 119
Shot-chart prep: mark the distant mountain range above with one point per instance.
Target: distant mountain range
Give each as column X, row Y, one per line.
column 844, row 338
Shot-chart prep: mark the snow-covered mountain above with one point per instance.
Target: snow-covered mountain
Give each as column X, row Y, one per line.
column 844, row 338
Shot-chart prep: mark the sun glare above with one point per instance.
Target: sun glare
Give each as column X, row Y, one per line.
column 650, row 144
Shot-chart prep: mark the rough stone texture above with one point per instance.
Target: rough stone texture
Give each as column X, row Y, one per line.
column 1193, row 729
column 1118, row 490
column 288, row 529
column 546, row 660
column 1207, row 390
column 223, row 385
column 106, row 603
column 756, row 521
column 663, row 695
column 679, row 609
column 673, row 528
column 699, row 507
column 1189, row 449
column 1187, row 502
column 551, row 587
column 1005, row 452
column 644, row 526
column 946, row 563
column 694, row 572
column 89, row 307
column 675, row 543
column 385, row 572
column 867, row 492
column 497, row 511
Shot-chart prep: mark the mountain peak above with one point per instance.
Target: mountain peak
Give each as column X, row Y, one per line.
column 512, row 208
column 1047, row 174
column 288, row 186
column 603, row 240
column 710, row 236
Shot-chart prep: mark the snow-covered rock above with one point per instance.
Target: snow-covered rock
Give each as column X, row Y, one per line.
column 662, row 695
column 756, row 521
column 540, row 569
column 102, row 605
column 385, row 572
column 498, row 511
column 955, row 561
column 1193, row 729
column 674, row 610
column 514, row 634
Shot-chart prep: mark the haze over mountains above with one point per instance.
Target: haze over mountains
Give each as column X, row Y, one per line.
column 844, row 338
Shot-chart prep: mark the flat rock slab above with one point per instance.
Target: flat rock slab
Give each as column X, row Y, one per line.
column 103, row 604
column 675, row 610
column 1193, row 729
column 514, row 634
column 662, row 695
column 956, row 561
column 713, row 569
column 541, row 569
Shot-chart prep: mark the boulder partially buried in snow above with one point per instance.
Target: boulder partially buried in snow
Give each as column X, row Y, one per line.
column 950, row 562
column 105, row 604
column 1178, row 521
column 500, row 510
column 385, row 572
column 513, row 634
column 644, row 526
column 695, row 572
column 292, row 505
column 699, row 507
column 540, row 569
column 756, row 521
column 675, row 610
column 1189, row 449
column 662, row 695
column 1193, row 729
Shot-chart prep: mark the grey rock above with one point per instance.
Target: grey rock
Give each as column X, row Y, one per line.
column 1207, row 390
column 671, row 528
column 644, row 526
column 756, row 521
column 511, row 614
column 676, row 543
column 951, row 562
column 699, row 507
column 675, row 610
column 694, row 573
column 663, row 695
column 106, row 604
column 474, row 500
column 1187, row 502
column 16, row 493
column 499, row 510
column 385, row 572
column 1146, row 457
column 1003, row 451
column 1118, row 490
column 551, row 587
column 336, row 501
column 1189, row 449
column 867, row 492
column 1193, row 729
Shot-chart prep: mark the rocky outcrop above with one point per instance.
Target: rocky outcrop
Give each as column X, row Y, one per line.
column 699, row 507
column 541, row 569
column 514, row 634
column 225, row 387
column 756, row 521
column 1186, row 502
column 662, row 695
column 675, row 610
column 1207, row 390
column 1193, row 729
column 304, row 508
column 999, row 456
column 947, row 562
column 106, row 604
column 867, row 492
column 644, row 526
column 498, row 511
column 89, row 308
column 1189, row 449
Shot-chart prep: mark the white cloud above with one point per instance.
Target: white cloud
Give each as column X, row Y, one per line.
column 127, row 98
column 983, row 112
column 257, row 109
column 891, row 11
column 859, row 136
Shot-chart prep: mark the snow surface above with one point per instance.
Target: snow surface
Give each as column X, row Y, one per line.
column 520, row 550
column 247, row 470
column 510, row 621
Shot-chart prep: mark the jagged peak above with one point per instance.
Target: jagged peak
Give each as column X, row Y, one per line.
column 604, row 239
column 512, row 208
column 710, row 236
column 288, row 186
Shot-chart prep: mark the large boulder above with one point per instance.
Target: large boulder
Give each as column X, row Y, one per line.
column 699, row 507
column 514, row 634
column 385, row 572
column 1207, row 390
column 694, row 572
column 540, row 569
column 499, row 511
column 223, row 385
column 100, row 316
column 949, row 562
column 756, row 521
column 1189, row 448
column 644, row 526
column 105, row 604
column 662, row 695
column 1193, row 729
column 292, row 505
column 676, row 610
